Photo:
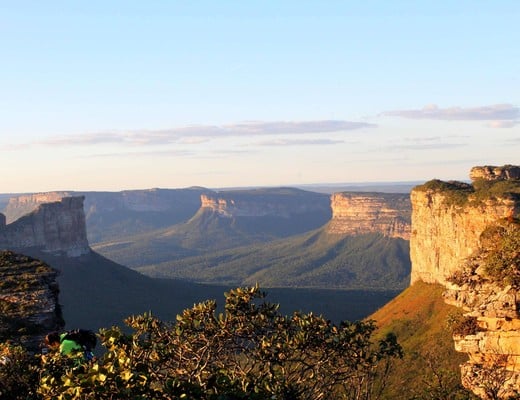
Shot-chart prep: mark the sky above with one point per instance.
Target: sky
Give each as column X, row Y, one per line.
column 114, row 95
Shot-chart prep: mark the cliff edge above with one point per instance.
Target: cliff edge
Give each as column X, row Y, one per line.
column 360, row 213
column 58, row 226
column 28, row 300
column 467, row 238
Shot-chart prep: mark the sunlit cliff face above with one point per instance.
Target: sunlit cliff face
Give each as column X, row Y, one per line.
column 353, row 214
column 449, row 245
column 53, row 227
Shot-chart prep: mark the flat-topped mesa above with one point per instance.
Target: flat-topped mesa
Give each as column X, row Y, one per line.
column 53, row 227
column 448, row 218
column 283, row 203
column 360, row 213
column 21, row 205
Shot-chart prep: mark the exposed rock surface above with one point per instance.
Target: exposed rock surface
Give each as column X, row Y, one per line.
column 444, row 234
column 113, row 215
column 493, row 345
column 492, row 173
column 157, row 200
column 28, row 300
column 19, row 206
column 450, row 244
column 359, row 213
column 54, row 227
column 282, row 202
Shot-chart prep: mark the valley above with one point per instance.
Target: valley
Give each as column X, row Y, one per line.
column 456, row 242
column 278, row 238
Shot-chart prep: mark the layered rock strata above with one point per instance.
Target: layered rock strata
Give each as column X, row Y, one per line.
column 149, row 200
column 28, row 300
column 282, row 203
column 450, row 224
column 444, row 234
column 492, row 173
column 359, row 213
column 54, row 227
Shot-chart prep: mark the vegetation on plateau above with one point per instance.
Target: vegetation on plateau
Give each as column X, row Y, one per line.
column 460, row 193
column 250, row 351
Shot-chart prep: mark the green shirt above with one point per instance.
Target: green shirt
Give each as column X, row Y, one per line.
column 69, row 347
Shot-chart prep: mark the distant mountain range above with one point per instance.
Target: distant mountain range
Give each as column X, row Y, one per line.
column 277, row 237
column 285, row 229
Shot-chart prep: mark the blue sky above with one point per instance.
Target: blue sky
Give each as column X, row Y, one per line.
column 122, row 95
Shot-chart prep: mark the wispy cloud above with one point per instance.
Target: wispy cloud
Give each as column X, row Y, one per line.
column 198, row 133
column 298, row 142
column 426, row 146
column 159, row 153
column 426, row 143
column 497, row 112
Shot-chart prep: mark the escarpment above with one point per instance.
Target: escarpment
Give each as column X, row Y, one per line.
column 28, row 300
column 281, row 203
column 53, row 227
column 359, row 213
column 21, row 205
column 447, row 220
column 467, row 238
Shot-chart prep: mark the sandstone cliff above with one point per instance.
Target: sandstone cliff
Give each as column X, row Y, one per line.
column 467, row 237
column 157, row 200
column 446, row 229
column 113, row 215
column 282, row 203
column 28, row 300
column 53, row 227
column 359, row 213
column 19, row 206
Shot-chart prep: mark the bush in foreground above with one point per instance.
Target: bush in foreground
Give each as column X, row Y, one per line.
column 250, row 351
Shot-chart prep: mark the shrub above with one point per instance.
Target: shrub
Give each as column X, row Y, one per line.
column 250, row 351
column 463, row 326
column 501, row 253
column 19, row 373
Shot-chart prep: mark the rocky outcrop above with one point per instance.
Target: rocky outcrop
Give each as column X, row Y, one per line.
column 151, row 200
column 467, row 237
column 28, row 300
column 53, row 227
column 113, row 215
column 487, row 288
column 359, row 213
column 21, row 205
column 491, row 173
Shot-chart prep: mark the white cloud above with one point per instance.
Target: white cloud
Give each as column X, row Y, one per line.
column 426, row 146
column 497, row 112
column 198, row 133
column 159, row 153
column 298, row 142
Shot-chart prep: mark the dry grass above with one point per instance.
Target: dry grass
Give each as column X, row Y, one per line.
column 419, row 317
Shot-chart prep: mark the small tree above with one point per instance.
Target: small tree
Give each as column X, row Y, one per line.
column 250, row 351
